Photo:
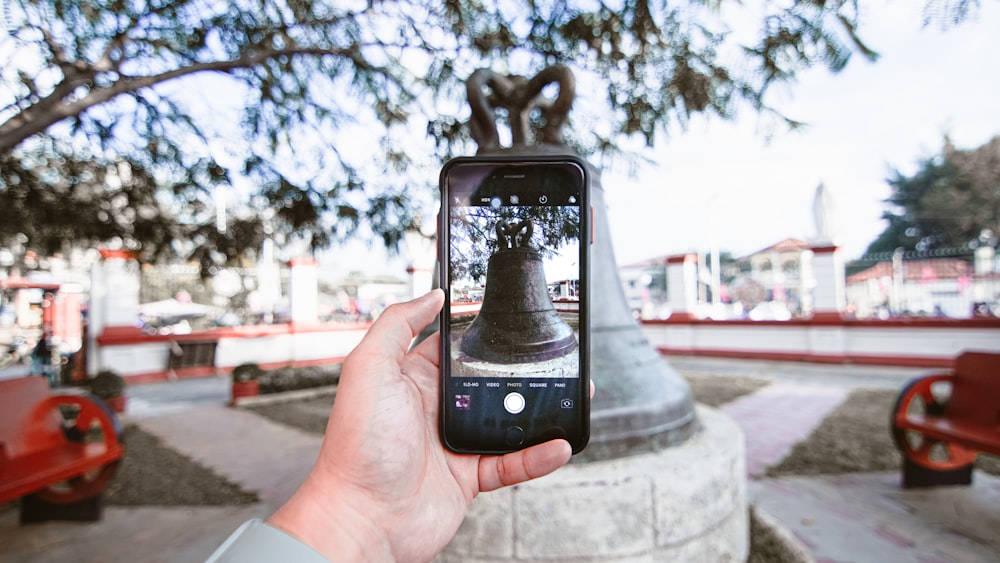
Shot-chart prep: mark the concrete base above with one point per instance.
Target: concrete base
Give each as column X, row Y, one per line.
column 683, row 503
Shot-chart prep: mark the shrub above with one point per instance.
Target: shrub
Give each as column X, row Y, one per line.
column 246, row 372
column 290, row 379
column 107, row 384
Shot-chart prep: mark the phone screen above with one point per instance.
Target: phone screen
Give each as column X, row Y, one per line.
column 514, row 338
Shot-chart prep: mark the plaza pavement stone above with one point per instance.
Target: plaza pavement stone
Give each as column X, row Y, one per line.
column 147, row 534
column 869, row 517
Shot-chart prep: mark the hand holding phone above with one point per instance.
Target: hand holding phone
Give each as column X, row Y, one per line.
column 382, row 486
column 514, row 258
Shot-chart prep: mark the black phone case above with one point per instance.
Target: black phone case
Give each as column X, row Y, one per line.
column 580, row 440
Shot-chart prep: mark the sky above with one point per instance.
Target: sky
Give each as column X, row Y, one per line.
column 863, row 123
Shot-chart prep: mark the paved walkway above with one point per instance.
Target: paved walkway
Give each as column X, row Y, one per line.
column 868, row 517
column 779, row 416
column 863, row 517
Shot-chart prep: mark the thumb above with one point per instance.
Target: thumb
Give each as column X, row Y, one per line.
column 396, row 327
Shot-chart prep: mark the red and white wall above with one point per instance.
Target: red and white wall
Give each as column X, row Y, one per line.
column 923, row 342
column 116, row 343
column 143, row 357
column 826, row 337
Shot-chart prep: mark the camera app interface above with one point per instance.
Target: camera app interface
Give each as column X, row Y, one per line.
column 514, row 268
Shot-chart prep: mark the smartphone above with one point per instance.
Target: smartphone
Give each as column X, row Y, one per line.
column 514, row 253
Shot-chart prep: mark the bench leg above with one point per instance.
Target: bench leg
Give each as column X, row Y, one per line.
column 916, row 475
column 35, row 510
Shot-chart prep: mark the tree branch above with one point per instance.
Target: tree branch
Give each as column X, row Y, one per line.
column 52, row 109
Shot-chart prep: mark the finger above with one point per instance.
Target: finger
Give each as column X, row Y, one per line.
column 395, row 328
column 592, row 389
column 524, row 465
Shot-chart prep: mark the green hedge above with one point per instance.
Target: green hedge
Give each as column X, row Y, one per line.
column 290, row 379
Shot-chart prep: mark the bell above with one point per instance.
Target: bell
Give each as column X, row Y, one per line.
column 517, row 322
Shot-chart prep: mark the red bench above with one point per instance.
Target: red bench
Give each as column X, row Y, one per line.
column 941, row 422
column 57, row 451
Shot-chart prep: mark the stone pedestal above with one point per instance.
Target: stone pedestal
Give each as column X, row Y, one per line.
column 829, row 297
column 684, row 503
column 114, row 302
column 682, row 286
column 115, row 293
column 303, row 293
column 421, row 251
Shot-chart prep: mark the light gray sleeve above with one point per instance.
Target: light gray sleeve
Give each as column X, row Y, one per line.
column 255, row 541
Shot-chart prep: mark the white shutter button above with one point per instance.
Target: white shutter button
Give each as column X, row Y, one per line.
column 514, row 403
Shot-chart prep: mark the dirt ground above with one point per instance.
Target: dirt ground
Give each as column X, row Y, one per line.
column 152, row 474
column 716, row 390
column 856, row 438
